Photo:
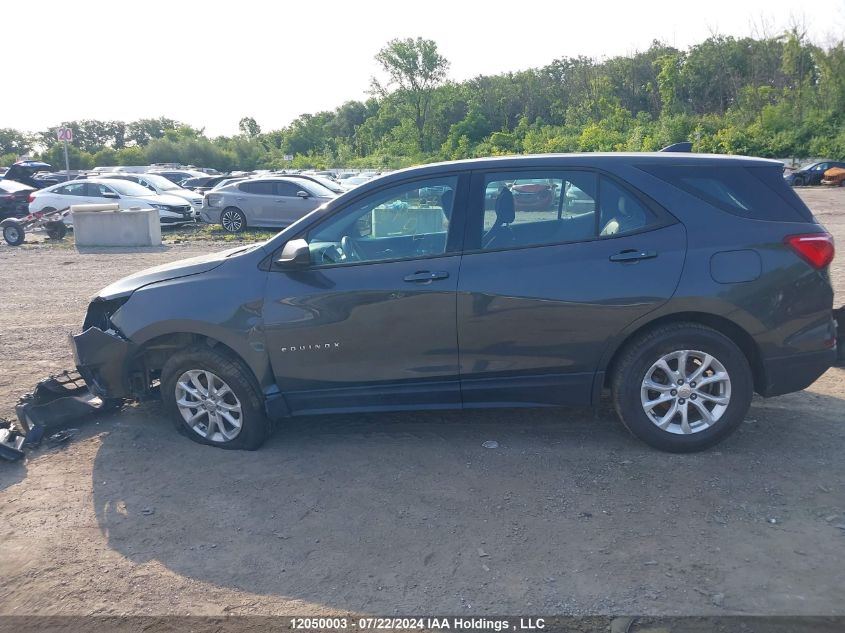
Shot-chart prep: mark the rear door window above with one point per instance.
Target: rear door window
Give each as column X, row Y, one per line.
column 74, row 189
column 535, row 208
column 621, row 212
column 260, row 187
column 758, row 193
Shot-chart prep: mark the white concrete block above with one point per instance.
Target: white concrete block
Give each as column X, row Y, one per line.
column 133, row 227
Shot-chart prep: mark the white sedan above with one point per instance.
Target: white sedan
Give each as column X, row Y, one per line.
column 160, row 185
column 128, row 195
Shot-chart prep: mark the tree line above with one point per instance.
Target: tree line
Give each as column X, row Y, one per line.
column 773, row 96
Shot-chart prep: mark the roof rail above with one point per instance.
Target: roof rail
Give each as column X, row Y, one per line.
column 684, row 146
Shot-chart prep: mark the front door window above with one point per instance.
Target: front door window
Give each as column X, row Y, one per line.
column 406, row 221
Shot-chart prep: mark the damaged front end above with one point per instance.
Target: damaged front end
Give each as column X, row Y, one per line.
column 99, row 383
column 101, row 353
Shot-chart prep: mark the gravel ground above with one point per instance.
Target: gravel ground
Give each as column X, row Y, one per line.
column 407, row 513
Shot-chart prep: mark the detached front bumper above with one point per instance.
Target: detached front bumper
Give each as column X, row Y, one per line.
column 102, row 360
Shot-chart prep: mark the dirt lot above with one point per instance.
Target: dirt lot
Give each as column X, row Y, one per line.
column 407, row 513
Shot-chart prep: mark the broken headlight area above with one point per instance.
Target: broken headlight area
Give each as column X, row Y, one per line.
column 100, row 312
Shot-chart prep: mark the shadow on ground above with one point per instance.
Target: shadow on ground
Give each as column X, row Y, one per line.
column 11, row 473
column 408, row 513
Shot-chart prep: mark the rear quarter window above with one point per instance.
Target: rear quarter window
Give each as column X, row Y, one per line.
column 758, row 193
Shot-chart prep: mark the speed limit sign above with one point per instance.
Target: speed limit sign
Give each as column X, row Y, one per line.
column 64, row 134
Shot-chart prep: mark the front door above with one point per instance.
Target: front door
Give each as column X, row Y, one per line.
column 289, row 205
column 371, row 323
column 557, row 263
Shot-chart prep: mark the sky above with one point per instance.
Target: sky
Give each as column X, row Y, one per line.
column 209, row 63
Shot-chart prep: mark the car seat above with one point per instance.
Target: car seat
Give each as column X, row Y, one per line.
column 500, row 233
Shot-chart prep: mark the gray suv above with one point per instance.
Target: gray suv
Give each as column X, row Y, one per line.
column 263, row 202
column 680, row 283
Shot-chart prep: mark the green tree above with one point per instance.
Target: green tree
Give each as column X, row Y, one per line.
column 249, row 127
column 416, row 67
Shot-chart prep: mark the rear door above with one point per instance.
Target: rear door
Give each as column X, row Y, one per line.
column 71, row 194
column 255, row 199
column 551, row 273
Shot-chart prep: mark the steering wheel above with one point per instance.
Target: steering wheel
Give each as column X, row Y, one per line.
column 348, row 248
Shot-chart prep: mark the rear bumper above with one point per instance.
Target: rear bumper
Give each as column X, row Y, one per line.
column 795, row 372
column 102, row 359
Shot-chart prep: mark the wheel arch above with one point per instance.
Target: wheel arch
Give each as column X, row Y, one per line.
column 736, row 333
column 153, row 353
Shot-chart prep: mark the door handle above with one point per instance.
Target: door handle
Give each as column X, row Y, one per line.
column 280, row 200
column 632, row 255
column 426, row 275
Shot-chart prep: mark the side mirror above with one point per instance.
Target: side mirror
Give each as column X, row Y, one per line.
column 303, row 194
column 295, row 254
column 111, row 195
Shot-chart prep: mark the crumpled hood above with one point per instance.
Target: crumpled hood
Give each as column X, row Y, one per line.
column 181, row 268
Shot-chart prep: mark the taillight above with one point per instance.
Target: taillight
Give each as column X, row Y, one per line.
column 816, row 248
column 31, row 198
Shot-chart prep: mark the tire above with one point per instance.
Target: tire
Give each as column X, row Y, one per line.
column 798, row 182
column 233, row 220
column 56, row 230
column 184, row 378
column 640, row 361
column 14, row 234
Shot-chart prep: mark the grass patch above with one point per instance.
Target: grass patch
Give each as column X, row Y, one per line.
column 213, row 233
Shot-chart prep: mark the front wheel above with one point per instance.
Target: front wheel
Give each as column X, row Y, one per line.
column 682, row 387
column 14, row 234
column 233, row 220
column 212, row 399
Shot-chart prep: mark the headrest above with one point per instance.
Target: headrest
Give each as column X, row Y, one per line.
column 505, row 211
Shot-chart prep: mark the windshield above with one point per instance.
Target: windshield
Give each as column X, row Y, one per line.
column 160, row 182
column 327, row 183
column 317, row 189
column 128, row 188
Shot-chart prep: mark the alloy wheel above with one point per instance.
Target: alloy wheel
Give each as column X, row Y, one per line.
column 208, row 405
column 685, row 391
column 232, row 221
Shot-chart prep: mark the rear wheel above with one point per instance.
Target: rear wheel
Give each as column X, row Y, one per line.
column 213, row 400
column 682, row 387
column 233, row 220
column 14, row 234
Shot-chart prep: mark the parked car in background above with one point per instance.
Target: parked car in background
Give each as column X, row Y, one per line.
column 210, row 182
column 811, row 174
column 161, row 185
column 693, row 282
column 354, row 181
column 263, row 202
column 25, row 171
column 14, row 199
column 177, row 176
column 198, row 184
column 835, row 177
column 171, row 209
column 328, row 183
